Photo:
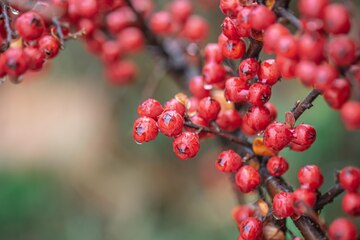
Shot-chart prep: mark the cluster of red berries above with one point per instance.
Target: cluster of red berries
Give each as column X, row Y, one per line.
column 33, row 43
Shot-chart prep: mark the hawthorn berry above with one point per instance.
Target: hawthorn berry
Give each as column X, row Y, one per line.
column 311, row 47
column 36, row 59
column 186, row 145
column 209, row 109
column 233, row 49
column 305, row 71
column 181, row 10
column 30, row 25
column 310, row 177
column 16, row 62
column 174, row 104
column 271, row 36
column 161, row 23
column 49, row 46
column 251, row 229
column 150, row 108
column 283, row 205
column 247, row 179
column 170, row 123
column 213, row 53
column 277, row 166
column 312, row 9
column 131, row 39
column 229, row 7
column 304, row 135
column 145, row 129
column 336, row 19
column 228, row 161
column 304, row 199
column 111, row 51
column 259, row 94
column 350, row 115
column 229, row 120
column 213, row 73
column 243, row 26
column 261, row 17
column 338, row 93
column 236, row 90
column 286, row 66
column 120, row 19
column 242, row 212
column 325, row 74
column 351, row 203
column 272, row 109
column 195, row 29
column 342, row 50
column 342, row 229
column 248, row 68
column 229, row 29
column 269, row 72
column 277, row 136
column 257, row 117
column 196, row 87
column 349, row 178
column 287, row 46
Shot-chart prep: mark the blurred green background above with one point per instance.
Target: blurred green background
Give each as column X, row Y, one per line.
column 70, row 170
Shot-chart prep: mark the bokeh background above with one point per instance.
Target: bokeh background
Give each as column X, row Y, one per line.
column 70, row 170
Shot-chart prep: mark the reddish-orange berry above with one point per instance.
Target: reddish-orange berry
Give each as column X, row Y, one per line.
column 277, row 166
column 342, row 229
column 186, row 145
column 145, row 129
column 283, row 205
column 247, row 179
column 228, row 161
column 150, row 108
column 349, row 178
column 310, row 177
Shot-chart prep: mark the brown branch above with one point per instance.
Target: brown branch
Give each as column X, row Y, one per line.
column 285, row 13
column 305, row 104
column 59, row 31
column 7, row 25
column 328, row 197
column 254, row 49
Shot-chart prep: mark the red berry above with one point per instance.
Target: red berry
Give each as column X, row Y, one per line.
column 120, row 19
column 170, row 123
column 181, row 10
column 236, row 90
column 304, row 135
column 196, row 29
column 111, row 51
column 251, row 229
column 324, row 76
column 305, row 71
column 336, row 19
column 228, row 161
column 269, row 72
column 150, row 108
column 131, row 39
column 277, row 166
column 342, row 229
column 186, row 145
column 342, row 51
column 259, row 94
column 196, row 87
column 261, row 17
column 196, row 119
column 248, row 68
column 30, row 26
column 229, row 120
column 175, row 105
column 229, row 7
column 229, row 29
column 311, row 47
column 350, row 115
column 304, row 200
column 49, row 46
column 272, row 109
column 286, row 66
column 258, row 118
column 337, row 93
column 161, row 23
column 209, row 109
column 272, row 35
column 145, row 129
column 213, row 53
column 120, row 73
column 247, row 179
column 243, row 26
column 287, row 46
column 310, row 177
column 36, row 59
column 213, row 73
column 351, row 204
column 233, row 49
column 16, row 62
column 312, row 9
column 283, row 205
column 349, row 178
column 242, row 213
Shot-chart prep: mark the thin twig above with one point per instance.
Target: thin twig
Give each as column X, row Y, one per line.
column 7, row 25
column 305, row 104
column 328, row 197
column 59, row 31
column 283, row 12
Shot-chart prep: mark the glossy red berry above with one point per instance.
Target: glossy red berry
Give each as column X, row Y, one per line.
column 30, row 25
column 228, row 161
column 186, row 145
column 269, row 72
column 111, row 51
column 259, row 94
column 351, row 204
column 277, row 166
column 261, row 17
column 16, row 62
column 181, row 10
column 229, row 29
column 196, row 87
column 311, row 47
column 272, row 109
column 247, row 179
column 272, row 35
column 286, row 66
column 233, row 49
column 287, row 46
column 349, row 178
column 209, row 109
column 229, row 120
column 213, row 53
column 350, row 115
column 36, row 58
column 229, row 7
column 236, row 90
column 145, row 129
column 251, row 229
column 312, row 9
column 161, row 23
column 283, row 205
column 196, row 119
column 195, row 29
column 304, row 200
column 213, row 73
column 258, row 118
column 342, row 229
column 310, row 177
column 336, row 19
column 337, row 93
column 49, row 46
column 248, row 68
column 242, row 212
column 175, row 105
column 150, row 108
column 120, row 19
column 305, row 71
column 243, row 26
column 342, row 50
column 170, row 123
column 324, row 76
column 131, row 39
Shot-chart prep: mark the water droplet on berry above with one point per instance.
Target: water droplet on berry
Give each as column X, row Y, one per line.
column 208, row 86
column 14, row 11
column 138, row 143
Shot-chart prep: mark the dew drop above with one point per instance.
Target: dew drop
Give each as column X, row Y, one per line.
column 138, row 143
column 14, row 11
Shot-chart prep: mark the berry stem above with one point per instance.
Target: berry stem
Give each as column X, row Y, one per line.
column 283, row 12
column 7, row 25
column 59, row 31
column 328, row 197
column 305, row 104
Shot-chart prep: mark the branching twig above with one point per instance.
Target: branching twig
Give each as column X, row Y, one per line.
column 283, row 12
column 305, row 104
column 328, row 197
column 7, row 25
column 59, row 31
